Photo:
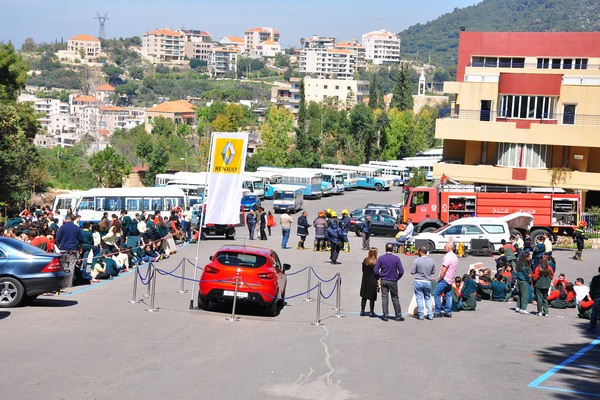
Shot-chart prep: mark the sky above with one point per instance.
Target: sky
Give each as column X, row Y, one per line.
column 47, row 21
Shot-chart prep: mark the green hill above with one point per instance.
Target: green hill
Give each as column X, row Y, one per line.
column 438, row 39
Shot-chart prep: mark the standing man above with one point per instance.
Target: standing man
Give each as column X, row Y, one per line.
column 186, row 223
column 286, row 225
column 365, row 229
column 303, row 226
column 595, row 295
column 333, row 233
column 68, row 240
column 578, row 238
column 251, row 224
column 345, row 226
column 125, row 223
column 320, row 224
column 262, row 223
column 423, row 269
column 445, row 280
column 389, row 270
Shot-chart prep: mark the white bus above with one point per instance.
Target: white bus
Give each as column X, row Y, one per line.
column 335, row 178
column 397, row 173
column 310, row 181
column 65, row 201
column 194, row 180
column 368, row 177
column 421, row 162
column 95, row 202
column 161, row 180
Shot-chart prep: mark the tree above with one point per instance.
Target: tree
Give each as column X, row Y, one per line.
column 28, row 46
column 143, row 149
column 158, row 161
column 221, row 123
column 184, row 130
column 113, row 74
column 373, row 92
column 164, row 127
column 396, row 135
column 282, row 60
column 275, row 132
column 362, row 128
column 402, row 96
column 13, row 73
column 196, row 63
column 109, row 167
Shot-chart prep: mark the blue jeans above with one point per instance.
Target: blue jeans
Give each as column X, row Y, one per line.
column 423, row 297
column 285, row 232
column 446, row 288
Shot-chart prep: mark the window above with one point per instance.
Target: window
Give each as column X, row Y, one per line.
column 562, row 63
column 453, row 230
column 472, row 230
column 526, row 107
column 524, row 155
column 493, row 228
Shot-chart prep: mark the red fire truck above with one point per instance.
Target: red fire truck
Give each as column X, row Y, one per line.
column 431, row 207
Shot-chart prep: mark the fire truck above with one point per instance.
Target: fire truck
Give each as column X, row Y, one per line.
column 432, row 207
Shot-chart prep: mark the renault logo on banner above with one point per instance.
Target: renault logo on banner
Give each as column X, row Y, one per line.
column 227, row 155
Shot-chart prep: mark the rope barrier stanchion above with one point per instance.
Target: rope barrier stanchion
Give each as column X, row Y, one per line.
column 338, row 298
column 150, row 279
column 235, row 292
column 308, row 285
column 318, row 315
column 182, row 290
column 153, row 276
column 135, row 279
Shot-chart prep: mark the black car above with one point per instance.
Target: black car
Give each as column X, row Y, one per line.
column 381, row 224
column 27, row 271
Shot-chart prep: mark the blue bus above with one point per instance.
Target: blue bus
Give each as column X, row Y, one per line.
column 368, row 177
column 310, row 181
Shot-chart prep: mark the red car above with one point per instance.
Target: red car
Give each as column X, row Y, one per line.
column 262, row 277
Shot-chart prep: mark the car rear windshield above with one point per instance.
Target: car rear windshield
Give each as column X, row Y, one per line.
column 25, row 247
column 241, row 260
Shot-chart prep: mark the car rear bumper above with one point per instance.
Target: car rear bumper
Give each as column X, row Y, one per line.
column 243, row 296
column 44, row 283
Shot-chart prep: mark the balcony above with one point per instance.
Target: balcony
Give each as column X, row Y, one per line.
column 498, row 175
column 485, row 125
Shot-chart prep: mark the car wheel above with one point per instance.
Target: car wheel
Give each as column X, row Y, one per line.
column 535, row 234
column 396, row 183
column 430, row 246
column 203, row 303
column 230, row 234
column 428, row 229
column 11, row 292
column 271, row 309
column 378, row 187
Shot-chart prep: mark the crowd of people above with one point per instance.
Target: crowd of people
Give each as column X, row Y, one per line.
column 102, row 250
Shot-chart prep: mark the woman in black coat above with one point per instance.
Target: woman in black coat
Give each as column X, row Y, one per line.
column 368, row 286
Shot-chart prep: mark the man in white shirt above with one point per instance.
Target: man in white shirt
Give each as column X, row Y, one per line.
column 581, row 290
column 286, row 225
column 187, row 223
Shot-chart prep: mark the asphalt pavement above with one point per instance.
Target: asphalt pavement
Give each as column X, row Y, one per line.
column 92, row 343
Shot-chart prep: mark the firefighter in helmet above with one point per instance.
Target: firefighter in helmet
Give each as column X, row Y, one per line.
column 579, row 238
column 345, row 225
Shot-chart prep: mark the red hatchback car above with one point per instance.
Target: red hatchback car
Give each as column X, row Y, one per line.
column 262, row 277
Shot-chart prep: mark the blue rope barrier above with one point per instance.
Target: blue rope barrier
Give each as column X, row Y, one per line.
column 332, row 290
column 297, row 272
column 321, row 279
column 160, row 271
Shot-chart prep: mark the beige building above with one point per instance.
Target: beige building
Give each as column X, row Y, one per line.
column 233, row 41
column 253, row 37
column 287, row 95
column 222, row 61
column 179, row 111
column 90, row 45
column 381, row 47
column 526, row 106
column 164, row 44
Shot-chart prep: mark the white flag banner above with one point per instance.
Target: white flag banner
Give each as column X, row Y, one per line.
column 227, row 163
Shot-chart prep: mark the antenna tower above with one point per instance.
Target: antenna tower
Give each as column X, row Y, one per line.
column 101, row 20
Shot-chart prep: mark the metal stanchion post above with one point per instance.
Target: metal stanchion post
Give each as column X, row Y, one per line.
column 318, row 316
column 150, row 266
column 182, row 278
column 152, row 308
column 135, row 279
column 235, row 292
column 338, row 297
column 309, row 269
column 194, row 283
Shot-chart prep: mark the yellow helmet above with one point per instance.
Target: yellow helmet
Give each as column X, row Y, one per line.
column 333, row 214
column 328, row 211
column 344, row 212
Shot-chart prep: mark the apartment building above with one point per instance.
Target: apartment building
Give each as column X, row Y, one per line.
column 103, row 92
column 164, row 44
column 233, row 41
column 268, row 48
column 526, row 104
column 253, row 37
column 381, row 47
column 90, row 45
column 112, row 118
column 323, row 58
column 47, row 108
column 194, row 34
column 284, row 94
column 358, row 51
column 344, row 92
column 222, row 61
column 199, row 49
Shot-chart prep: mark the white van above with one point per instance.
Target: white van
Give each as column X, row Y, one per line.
column 464, row 230
column 287, row 197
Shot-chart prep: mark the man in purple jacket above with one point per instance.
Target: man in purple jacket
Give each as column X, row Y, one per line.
column 389, row 270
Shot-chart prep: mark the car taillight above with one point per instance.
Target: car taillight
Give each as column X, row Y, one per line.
column 211, row 270
column 53, row 266
column 266, row 275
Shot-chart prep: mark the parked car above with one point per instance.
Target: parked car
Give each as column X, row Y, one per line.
column 27, row 271
column 464, row 230
column 262, row 277
column 250, row 202
column 381, row 224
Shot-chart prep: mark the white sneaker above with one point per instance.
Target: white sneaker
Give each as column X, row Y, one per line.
column 539, row 314
column 523, row 312
column 517, row 309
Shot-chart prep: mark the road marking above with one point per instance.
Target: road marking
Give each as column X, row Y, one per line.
column 537, row 382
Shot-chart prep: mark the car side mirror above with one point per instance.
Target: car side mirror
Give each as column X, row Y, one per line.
column 287, row 267
column 210, row 258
